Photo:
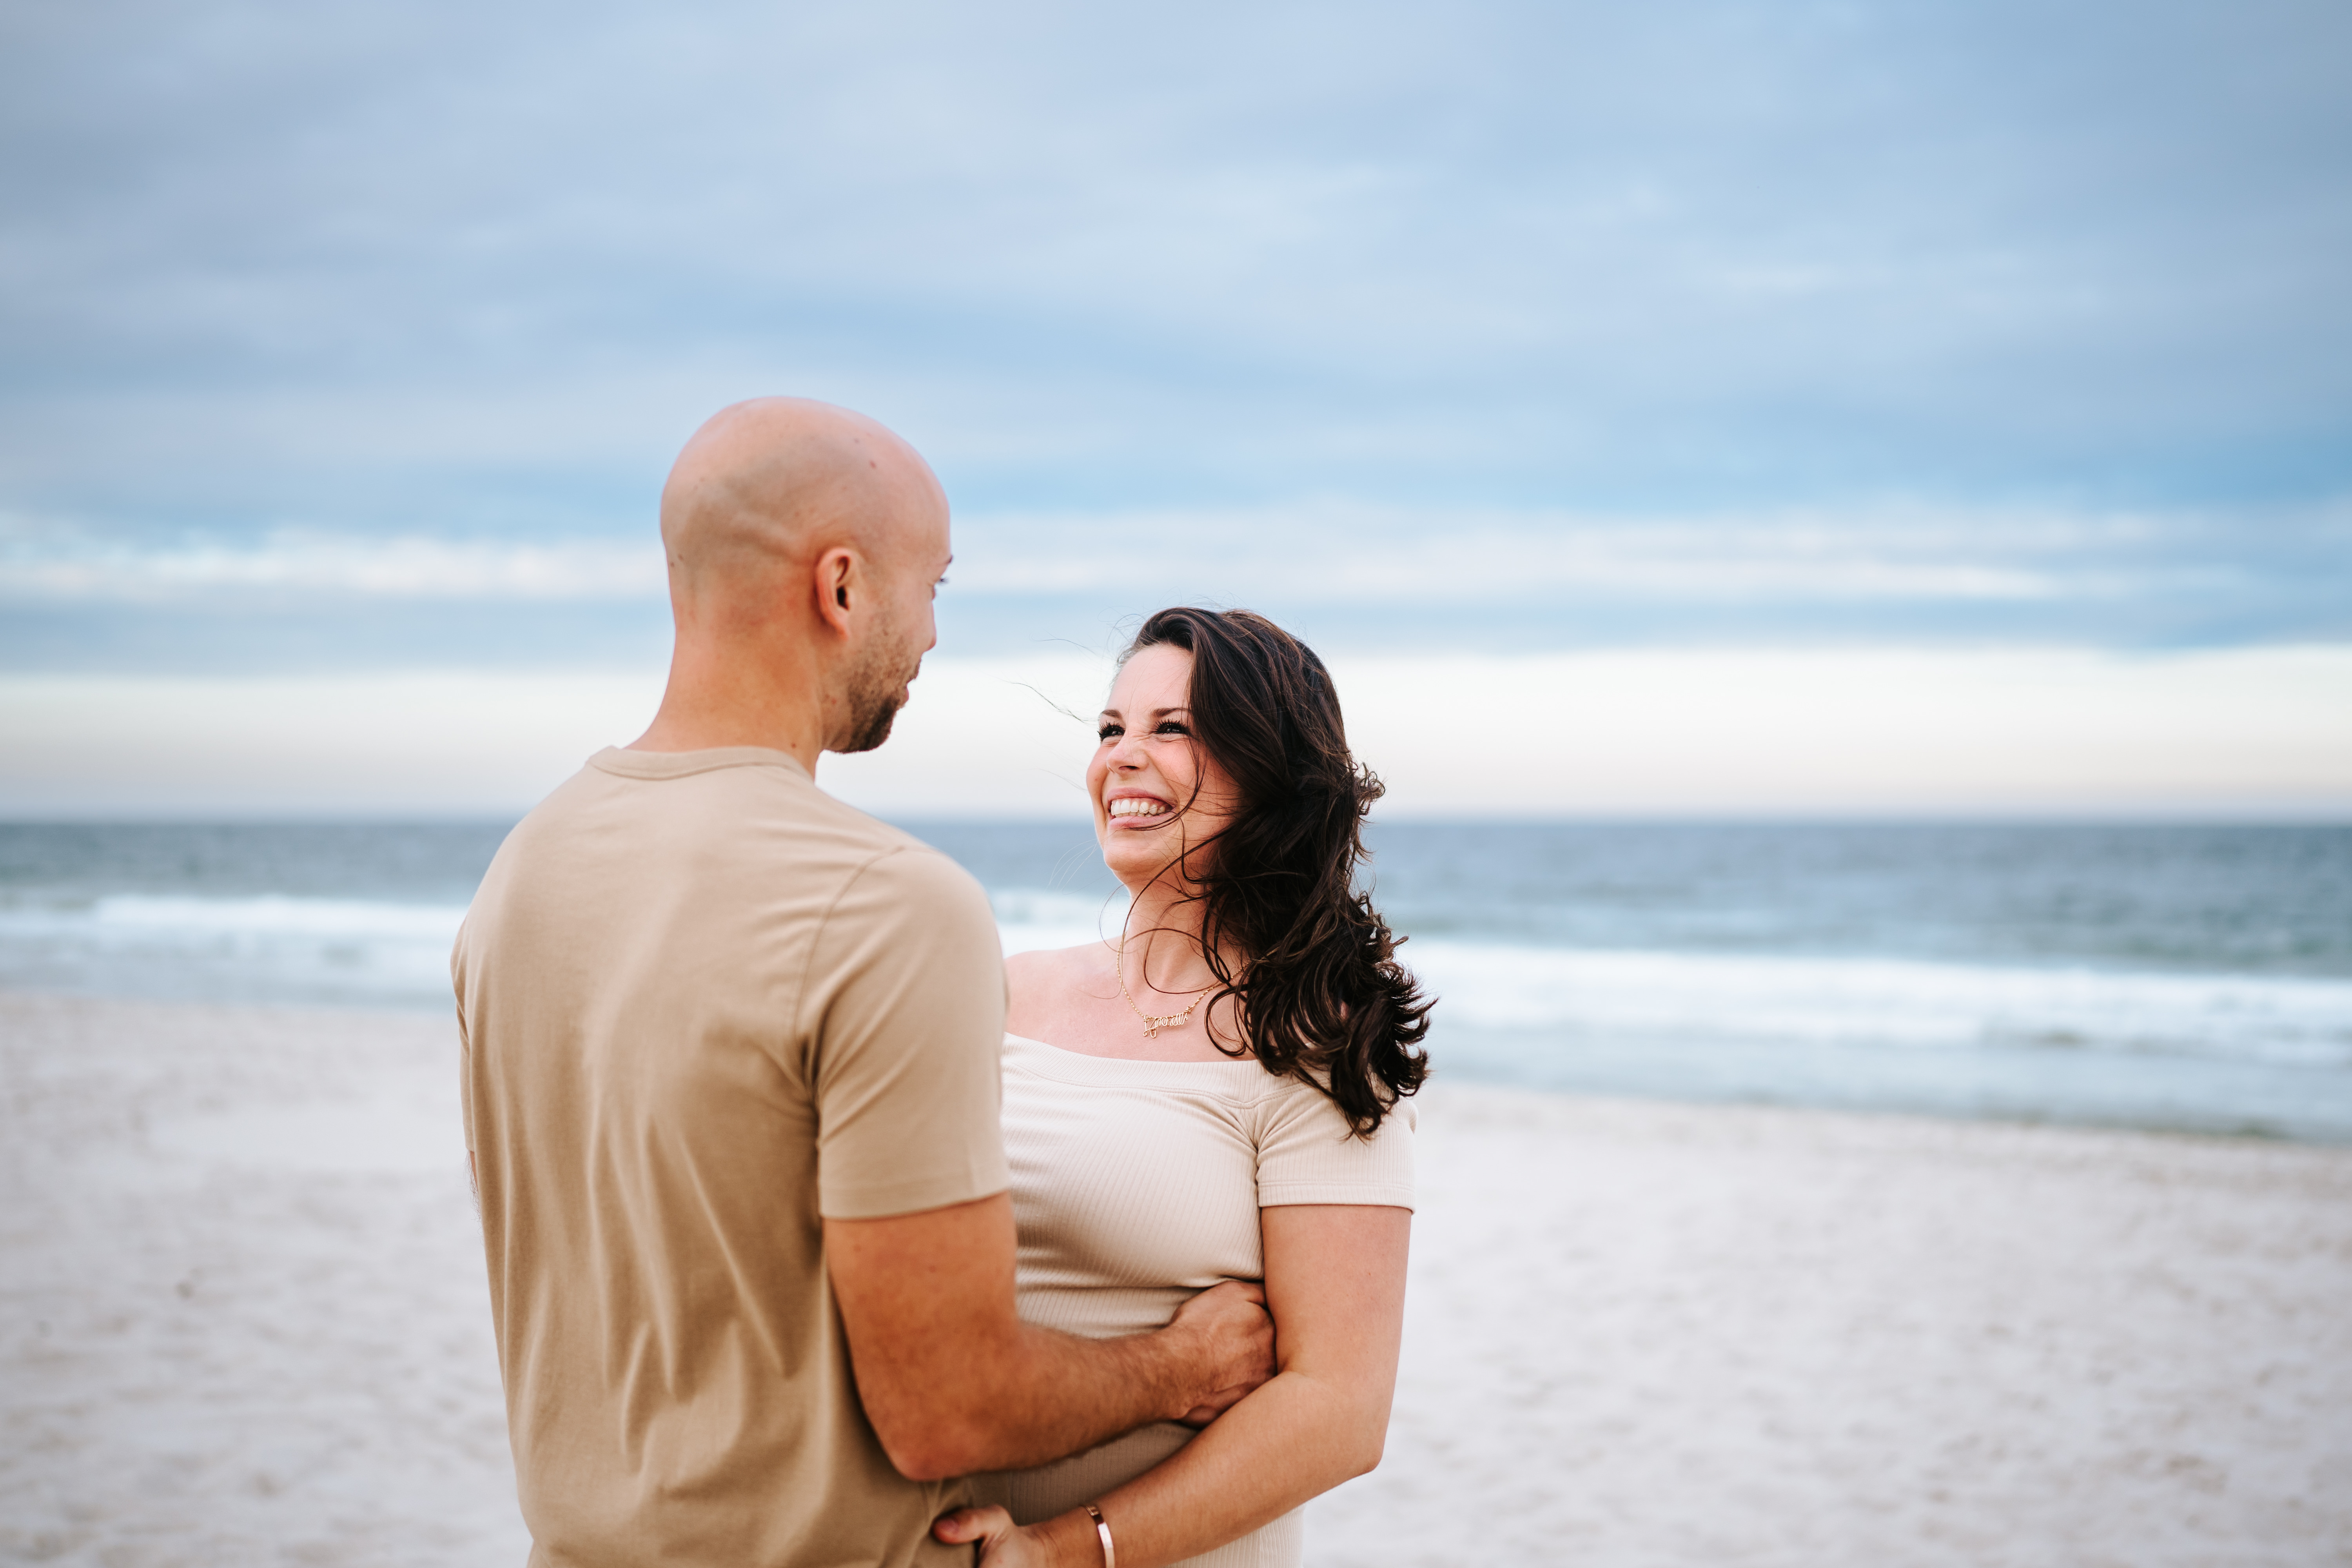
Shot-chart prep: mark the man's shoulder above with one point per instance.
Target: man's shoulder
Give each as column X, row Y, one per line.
column 759, row 805
column 747, row 819
column 812, row 826
column 540, row 835
column 865, row 837
column 907, row 882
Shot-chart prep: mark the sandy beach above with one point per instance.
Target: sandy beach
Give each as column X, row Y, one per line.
column 247, row 1323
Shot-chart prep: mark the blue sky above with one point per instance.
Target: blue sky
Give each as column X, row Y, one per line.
column 1592, row 323
column 356, row 339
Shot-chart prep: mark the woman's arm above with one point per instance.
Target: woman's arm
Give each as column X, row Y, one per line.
column 1335, row 1284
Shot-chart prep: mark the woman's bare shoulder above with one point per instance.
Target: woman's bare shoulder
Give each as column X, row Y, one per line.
column 1055, row 966
column 1055, row 962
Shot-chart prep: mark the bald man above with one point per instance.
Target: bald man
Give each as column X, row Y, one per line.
column 732, row 1080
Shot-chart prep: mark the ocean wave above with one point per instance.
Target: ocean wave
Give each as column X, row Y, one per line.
column 274, row 945
column 262, row 948
column 1747, row 1003
column 1030, row 919
column 1888, row 1003
column 273, row 915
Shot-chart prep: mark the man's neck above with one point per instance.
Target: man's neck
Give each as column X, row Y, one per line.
column 708, row 706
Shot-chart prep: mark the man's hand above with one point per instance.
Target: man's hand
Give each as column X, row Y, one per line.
column 1227, row 1329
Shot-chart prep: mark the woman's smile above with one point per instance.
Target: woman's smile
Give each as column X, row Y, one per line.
column 1151, row 783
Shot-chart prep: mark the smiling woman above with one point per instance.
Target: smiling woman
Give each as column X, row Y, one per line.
column 1267, row 809
column 1220, row 1093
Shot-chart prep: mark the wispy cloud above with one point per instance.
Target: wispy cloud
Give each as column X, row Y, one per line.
column 45, row 567
column 1352, row 575
column 1344, row 551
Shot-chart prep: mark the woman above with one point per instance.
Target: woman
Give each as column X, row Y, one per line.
column 1216, row 1095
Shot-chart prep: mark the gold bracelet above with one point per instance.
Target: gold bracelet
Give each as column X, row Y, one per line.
column 1110, row 1553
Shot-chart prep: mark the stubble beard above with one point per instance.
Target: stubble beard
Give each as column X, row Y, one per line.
column 877, row 691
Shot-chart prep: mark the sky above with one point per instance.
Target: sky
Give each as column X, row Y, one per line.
column 1632, row 370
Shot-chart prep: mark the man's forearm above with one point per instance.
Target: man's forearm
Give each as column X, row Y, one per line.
column 954, row 1381
column 1050, row 1394
column 1038, row 1396
column 1056, row 1394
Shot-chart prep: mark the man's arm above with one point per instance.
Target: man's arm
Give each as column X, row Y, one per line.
column 955, row 1383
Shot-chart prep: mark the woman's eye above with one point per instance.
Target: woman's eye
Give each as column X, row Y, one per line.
column 1174, row 728
column 1108, row 732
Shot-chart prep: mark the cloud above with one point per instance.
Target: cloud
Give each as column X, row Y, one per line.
column 55, row 567
column 432, row 743
column 339, row 338
column 2020, row 731
column 1349, row 575
column 1516, row 254
column 2243, row 732
column 1344, row 551
column 1310, row 551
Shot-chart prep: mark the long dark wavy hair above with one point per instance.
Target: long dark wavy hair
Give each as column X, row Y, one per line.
column 1320, row 994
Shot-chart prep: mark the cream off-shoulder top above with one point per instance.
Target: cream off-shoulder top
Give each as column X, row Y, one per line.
column 1137, row 1184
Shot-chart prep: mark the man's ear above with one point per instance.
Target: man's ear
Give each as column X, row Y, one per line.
column 837, row 577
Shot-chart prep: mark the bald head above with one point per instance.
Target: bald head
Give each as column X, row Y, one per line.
column 766, row 487
column 804, row 544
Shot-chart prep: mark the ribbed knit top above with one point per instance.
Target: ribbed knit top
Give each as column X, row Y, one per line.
column 1136, row 1185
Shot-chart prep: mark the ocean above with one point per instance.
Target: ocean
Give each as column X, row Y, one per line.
column 2190, row 978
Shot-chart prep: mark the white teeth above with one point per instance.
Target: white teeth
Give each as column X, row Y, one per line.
column 1136, row 805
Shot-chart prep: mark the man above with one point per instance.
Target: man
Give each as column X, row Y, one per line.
column 731, row 1080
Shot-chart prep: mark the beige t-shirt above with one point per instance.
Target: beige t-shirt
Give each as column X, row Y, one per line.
column 703, row 1004
column 1136, row 1185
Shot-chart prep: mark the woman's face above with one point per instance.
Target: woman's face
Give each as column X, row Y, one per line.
column 1156, row 790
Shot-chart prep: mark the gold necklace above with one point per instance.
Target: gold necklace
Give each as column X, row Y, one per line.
column 1151, row 1024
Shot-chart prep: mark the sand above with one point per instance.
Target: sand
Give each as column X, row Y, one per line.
column 1651, row 1334
column 245, row 1324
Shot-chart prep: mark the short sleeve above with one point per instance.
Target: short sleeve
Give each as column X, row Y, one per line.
column 1307, row 1154
column 904, row 1012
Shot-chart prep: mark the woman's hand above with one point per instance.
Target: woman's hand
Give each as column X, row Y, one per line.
column 1003, row 1543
